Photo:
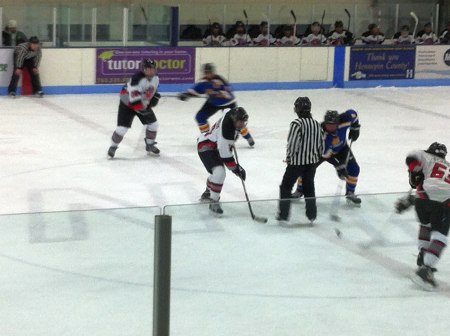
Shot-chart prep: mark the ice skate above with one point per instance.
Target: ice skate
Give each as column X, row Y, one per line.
column 353, row 200
column 297, row 194
column 251, row 142
column 420, row 263
column 151, row 148
column 206, row 196
column 11, row 94
column 112, row 151
column 39, row 94
column 424, row 278
column 215, row 207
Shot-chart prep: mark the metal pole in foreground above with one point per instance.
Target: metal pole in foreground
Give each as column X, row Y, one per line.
column 161, row 277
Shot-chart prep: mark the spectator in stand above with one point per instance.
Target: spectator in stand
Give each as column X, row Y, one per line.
column 373, row 35
column 216, row 38
column 316, row 37
column 404, row 36
column 340, row 36
column 289, row 39
column 240, row 38
column 27, row 55
column 426, row 35
column 444, row 37
column 12, row 36
column 264, row 39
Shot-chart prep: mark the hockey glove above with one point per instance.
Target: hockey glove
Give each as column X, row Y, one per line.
column 239, row 172
column 404, row 203
column 415, row 178
column 353, row 135
column 342, row 172
column 155, row 99
column 183, row 96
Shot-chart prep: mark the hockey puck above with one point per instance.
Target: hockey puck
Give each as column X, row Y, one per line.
column 338, row 233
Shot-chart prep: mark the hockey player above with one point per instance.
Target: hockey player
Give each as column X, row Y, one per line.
column 220, row 97
column 316, row 37
column 241, row 38
column 264, row 39
column 288, row 39
column 444, row 36
column 429, row 174
column 340, row 36
column 337, row 152
column 373, row 35
column 137, row 98
column 304, row 148
column 404, row 36
column 216, row 38
column 215, row 152
column 426, row 36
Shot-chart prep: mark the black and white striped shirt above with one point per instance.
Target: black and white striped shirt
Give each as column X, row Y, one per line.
column 23, row 52
column 304, row 142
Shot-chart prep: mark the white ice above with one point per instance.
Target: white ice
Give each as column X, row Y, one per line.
column 91, row 272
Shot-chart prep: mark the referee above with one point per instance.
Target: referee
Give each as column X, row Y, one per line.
column 304, row 149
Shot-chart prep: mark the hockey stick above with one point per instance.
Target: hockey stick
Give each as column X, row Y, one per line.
column 416, row 19
column 246, row 24
column 321, row 26
column 295, row 22
column 334, row 209
column 255, row 218
column 349, row 18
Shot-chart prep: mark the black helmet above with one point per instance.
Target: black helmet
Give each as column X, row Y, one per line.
column 331, row 117
column 238, row 114
column 208, row 67
column 438, row 149
column 148, row 63
column 302, row 107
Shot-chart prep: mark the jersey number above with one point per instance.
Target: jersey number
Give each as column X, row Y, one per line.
column 441, row 172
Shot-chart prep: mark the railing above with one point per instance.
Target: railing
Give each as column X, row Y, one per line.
column 92, row 271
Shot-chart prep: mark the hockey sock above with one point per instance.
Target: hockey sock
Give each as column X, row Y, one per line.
column 118, row 135
column 351, row 184
column 150, row 133
column 434, row 251
column 423, row 241
column 203, row 128
column 245, row 133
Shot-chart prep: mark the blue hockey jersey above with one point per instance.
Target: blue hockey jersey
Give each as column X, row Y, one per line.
column 217, row 89
column 335, row 142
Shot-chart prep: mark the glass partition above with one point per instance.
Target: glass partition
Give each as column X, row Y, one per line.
column 99, row 23
column 345, row 275
column 77, row 272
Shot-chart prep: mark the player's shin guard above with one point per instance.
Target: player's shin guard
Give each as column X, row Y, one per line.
column 433, row 252
column 150, row 136
column 116, row 139
column 247, row 136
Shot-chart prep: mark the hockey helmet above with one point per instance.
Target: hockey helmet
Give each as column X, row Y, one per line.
column 331, row 117
column 302, row 106
column 239, row 114
column 209, row 68
column 148, row 63
column 438, row 149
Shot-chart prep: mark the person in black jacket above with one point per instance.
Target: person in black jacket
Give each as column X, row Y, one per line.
column 304, row 149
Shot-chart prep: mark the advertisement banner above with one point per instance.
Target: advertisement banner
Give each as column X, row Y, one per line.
column 117, row 65
column 382, row 62
column 6, row 66
column 433, row 62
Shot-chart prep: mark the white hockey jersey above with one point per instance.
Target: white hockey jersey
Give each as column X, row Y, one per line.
column 139, row 90
column 313, row 39
column 221, row 137
column 214, row 41
column 264, row 40
column 436, row 173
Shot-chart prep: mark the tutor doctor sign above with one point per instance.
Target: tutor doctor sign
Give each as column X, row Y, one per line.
column 117, row 65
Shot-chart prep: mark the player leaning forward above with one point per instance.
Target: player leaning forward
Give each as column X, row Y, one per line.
column 430, row 175
column 215, row 152
column 137, row 98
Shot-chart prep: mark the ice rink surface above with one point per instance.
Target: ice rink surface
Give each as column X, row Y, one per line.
column 77, row 272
